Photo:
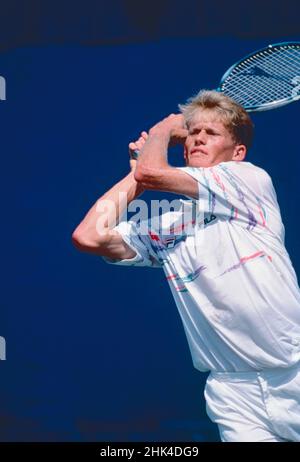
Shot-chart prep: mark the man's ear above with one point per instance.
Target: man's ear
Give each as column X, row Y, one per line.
column 240, row 152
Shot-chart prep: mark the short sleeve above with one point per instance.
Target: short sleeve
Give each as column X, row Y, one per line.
column 230, row 191
column 136, row 237
column 216, row 194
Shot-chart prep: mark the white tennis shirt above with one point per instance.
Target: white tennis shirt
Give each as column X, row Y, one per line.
column 229, row 272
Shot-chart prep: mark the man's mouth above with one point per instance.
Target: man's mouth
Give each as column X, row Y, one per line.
column 197, row 151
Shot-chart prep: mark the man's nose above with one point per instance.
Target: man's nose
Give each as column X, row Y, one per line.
column 200, row 138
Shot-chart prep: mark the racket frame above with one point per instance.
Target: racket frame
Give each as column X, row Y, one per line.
column 266, row 106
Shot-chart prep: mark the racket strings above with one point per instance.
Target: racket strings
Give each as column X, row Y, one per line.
column 258, row 86
column 287, row 63
column 269, row 66
column 265, row 78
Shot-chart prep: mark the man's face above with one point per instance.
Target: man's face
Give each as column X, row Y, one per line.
column 209, row 142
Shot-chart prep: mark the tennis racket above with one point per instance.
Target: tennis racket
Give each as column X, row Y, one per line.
column 266, row 79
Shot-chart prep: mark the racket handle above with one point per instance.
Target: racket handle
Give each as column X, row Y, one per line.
column 135, row 154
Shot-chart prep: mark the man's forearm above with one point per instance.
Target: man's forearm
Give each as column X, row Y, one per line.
column 107, row 210
column 154, row 153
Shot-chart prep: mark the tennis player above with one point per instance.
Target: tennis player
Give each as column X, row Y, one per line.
column 229, row 272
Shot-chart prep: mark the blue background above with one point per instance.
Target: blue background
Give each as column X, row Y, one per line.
column 96, row 352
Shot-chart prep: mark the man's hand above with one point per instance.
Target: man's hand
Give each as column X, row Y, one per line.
column 174, row 127
column 136, row 146
column 178, row 136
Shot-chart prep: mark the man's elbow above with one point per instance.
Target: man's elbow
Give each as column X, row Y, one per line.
column 78, row 241
column 145, row 176
column 85, row 243
column 139, row 175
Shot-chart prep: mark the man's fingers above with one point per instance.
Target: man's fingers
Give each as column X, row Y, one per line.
column 179, row 132
column 136, row 146
column 132, row 146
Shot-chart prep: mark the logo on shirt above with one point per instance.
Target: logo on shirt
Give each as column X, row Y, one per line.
column 171, row 241
column 208, row 220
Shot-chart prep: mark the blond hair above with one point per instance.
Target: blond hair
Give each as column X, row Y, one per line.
column 234, row 117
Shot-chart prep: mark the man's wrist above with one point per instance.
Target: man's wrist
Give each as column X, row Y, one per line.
column 161, row 133
column 139, row 188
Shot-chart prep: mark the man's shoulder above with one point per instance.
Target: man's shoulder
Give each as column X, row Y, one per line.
column 244, row 168
column 238, row 167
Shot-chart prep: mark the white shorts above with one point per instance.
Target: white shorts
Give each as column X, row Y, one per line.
column 255, row 406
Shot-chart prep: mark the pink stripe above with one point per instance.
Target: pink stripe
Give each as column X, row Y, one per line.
column 153, row 236
column 262, row 217
column 181, row 227
column 257, row 254
column 217, row 179
column 172, row 276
